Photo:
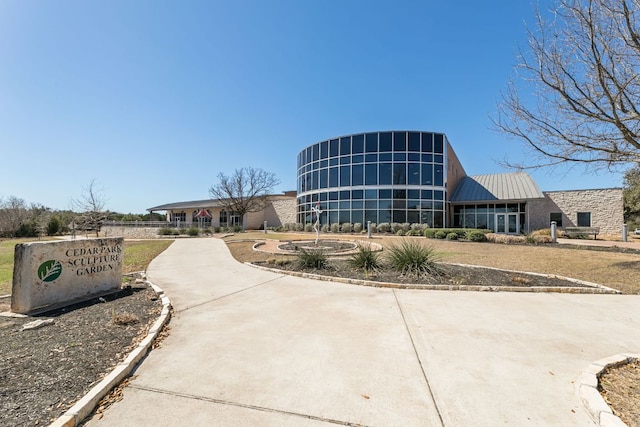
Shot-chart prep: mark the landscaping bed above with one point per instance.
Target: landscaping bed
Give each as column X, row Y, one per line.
column 449, row 276
column 44, row 371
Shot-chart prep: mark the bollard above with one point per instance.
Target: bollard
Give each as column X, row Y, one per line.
column 368, row 229
column 265, row 227
column 625, row 232
column 554, row 232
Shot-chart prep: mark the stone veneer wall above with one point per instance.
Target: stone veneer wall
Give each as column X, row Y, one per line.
column 277, row 213
column 129, row 232
column 281, row 212
column 605, row 205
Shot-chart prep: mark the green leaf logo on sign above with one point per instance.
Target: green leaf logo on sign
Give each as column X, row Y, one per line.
column 49, row 270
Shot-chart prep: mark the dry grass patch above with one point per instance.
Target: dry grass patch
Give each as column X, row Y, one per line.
column 138, row 254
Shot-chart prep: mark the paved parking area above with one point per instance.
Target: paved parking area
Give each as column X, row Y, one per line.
column 249, row 347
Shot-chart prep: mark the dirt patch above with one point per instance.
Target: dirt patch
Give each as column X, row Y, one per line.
column 44, row 371
column 620, row 388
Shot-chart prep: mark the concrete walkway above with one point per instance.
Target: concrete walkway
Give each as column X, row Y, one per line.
column 255, row 348
column 631, row 244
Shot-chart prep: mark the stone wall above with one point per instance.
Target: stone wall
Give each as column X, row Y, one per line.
column 277, row 213
column 605, row 206
column 284, row 212
column 129, row 232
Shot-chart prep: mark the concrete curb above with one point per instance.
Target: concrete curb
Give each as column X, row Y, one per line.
column 590, row 395
column 587, row 288
column 83, row 407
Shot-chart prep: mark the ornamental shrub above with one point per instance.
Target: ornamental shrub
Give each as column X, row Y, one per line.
column 384, row 227
column 335, row 227
column 346, row 227
column 476, row 236
column 192, row 231
column 400, row 232
column 452, row 236
column 312, row 259
column 365, row 259
column 357, row 227
column 440, row 234
column 395, row 227
column 543, row 239
column 308, row 227
column 166, row 231
column 430, row 233
column 410, row 257
column 508, row 239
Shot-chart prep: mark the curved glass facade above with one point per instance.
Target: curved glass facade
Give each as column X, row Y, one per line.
column 395, row 176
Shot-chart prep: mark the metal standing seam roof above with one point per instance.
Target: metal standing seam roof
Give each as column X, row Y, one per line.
column 501, row 186
column 196, row 204
column 201, row 204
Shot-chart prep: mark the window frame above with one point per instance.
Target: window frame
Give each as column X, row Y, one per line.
column 557, row 217
column 580, row 223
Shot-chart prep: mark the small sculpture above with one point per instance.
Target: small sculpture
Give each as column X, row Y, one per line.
column 316, row 226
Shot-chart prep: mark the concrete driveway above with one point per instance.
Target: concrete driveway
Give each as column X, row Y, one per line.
column 249, row 347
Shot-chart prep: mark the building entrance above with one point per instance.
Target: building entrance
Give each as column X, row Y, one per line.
column 508, row 223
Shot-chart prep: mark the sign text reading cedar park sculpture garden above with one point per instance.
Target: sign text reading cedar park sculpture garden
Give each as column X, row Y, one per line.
column 52, row 273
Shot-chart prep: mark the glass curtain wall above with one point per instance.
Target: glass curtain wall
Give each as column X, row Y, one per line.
column 396, row 176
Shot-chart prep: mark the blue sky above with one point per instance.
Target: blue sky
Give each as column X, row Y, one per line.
column 153, row 99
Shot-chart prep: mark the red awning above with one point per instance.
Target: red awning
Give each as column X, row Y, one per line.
column 202, row 213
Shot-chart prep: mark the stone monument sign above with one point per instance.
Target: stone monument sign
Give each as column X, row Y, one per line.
column 58, row 272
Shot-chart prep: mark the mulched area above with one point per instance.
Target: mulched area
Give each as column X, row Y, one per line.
column 449, row 274
column 44, row 371
column 620, row 388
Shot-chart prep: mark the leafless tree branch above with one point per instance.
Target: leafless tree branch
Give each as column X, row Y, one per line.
column 244, row 191
column 581, row 69
column 91, row 207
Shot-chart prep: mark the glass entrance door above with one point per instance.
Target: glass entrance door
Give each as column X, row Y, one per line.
column 508, row 223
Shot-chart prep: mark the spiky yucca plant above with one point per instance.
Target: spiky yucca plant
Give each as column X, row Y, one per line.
column 411, row 258
column 365, row 259
column 312, row 259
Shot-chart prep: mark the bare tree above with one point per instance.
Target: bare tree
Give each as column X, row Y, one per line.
column 90, row 205
column 582, row 73
column 245, row 191
column 13, row 213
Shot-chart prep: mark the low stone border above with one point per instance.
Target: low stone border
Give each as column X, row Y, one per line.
column 591, row 397
column 376, row 247
column 83, row 407
column 587, row 288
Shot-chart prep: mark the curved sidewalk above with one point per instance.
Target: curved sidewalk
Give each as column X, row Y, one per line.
column 249, row 347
